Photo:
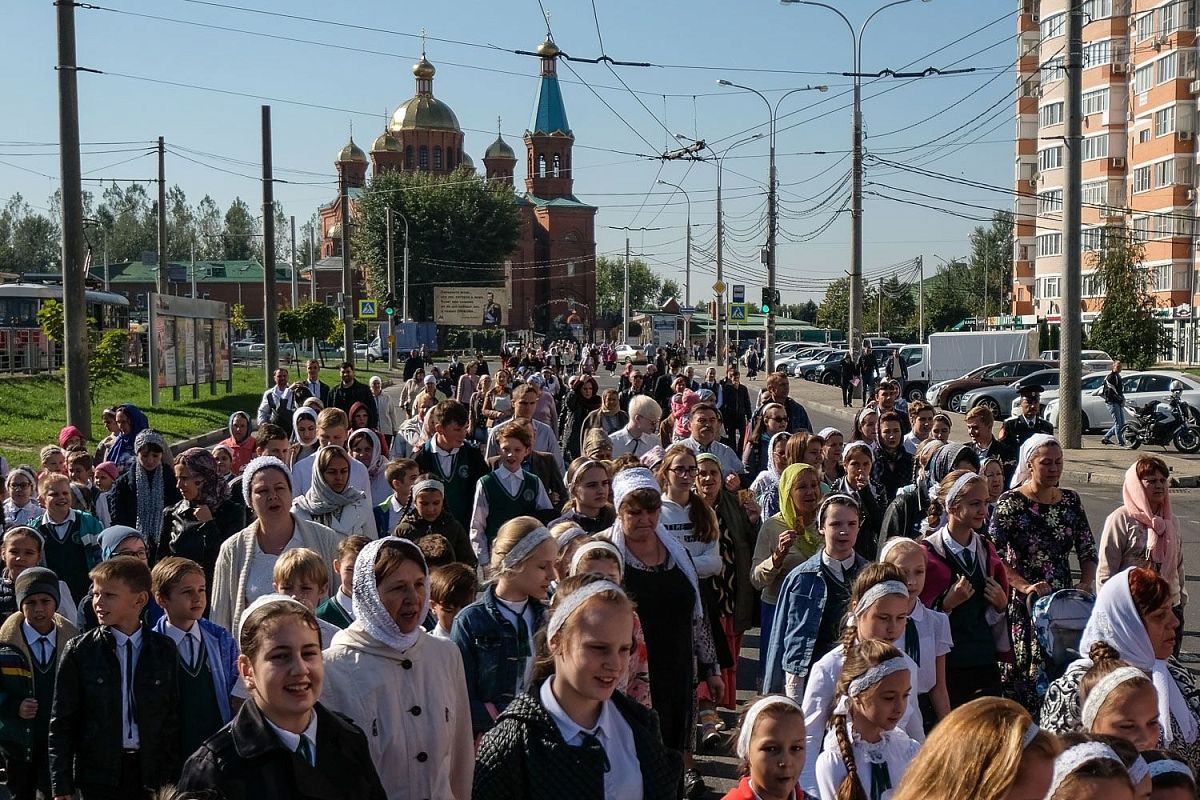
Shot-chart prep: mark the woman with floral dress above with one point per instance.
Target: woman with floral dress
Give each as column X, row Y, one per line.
column 1034, row 526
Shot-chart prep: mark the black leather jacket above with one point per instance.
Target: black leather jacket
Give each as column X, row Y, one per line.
column 86, row 721
column 246, row 760
column 184, row 535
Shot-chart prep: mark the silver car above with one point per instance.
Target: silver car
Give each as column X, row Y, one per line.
column 1001, row 398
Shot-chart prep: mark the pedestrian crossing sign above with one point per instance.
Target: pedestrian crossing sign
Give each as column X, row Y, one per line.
column 367, row 309
column 737, row 312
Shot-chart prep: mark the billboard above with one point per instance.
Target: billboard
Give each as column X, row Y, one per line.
column 470, row 306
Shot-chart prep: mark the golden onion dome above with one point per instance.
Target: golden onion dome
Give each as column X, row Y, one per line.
column 423, row 69
column 467, row 162
column 351, row 153
column 548, row 49
column 424, row 112
column 386, row 143
column 500, row 149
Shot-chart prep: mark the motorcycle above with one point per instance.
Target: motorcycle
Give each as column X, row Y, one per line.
column 1163, row 422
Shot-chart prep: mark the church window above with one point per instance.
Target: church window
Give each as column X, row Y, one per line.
column 450, row 158
column 541, row 170
column 424, row 162
column 437, row 157
column 408, row 157
column 557, row 165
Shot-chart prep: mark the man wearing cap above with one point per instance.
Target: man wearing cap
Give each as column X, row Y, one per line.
column 349, row 392
column 1017, row 429
column 640, row 434
column 30, row 643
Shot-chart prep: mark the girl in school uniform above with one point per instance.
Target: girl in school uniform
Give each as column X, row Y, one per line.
column 1118, row 699
column 572, row 734
column 878, row 612
column 282, row 743
column 1170, row 778
column 495, row 633
column 589, row 483
column 927, row 637
column 865, row 753
column 966, row 581
column 770, row 746
column 1090, row 771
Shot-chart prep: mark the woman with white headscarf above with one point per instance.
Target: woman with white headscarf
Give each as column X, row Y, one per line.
column 766, row 485
column 304, row 434
column 332, row 501
column 1034, row 527
column 661, row 577
column 404, row 688
column 1133, row 615
column 365, row 446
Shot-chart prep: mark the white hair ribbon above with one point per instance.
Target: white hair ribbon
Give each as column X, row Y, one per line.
column 429, row 484
column 258, row 603
column 1139, row 770
column 1169, row 765
column 1101, row 691
column 525, row 546
column 572, row 602
column 894, row 542
column 873, row 596
column 568, row 536
column 591, row 547
column 875, row 674
column 959, row 485
column 760, row 705
column 1075, row 757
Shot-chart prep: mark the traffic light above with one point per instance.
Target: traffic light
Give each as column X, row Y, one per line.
column 770, row 300
column 389, row 305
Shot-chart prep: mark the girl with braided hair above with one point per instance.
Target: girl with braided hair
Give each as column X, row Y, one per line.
column 865, row 754
column 1118, row 699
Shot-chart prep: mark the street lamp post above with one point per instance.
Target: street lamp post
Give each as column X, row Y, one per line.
column 856, row 203
column 721, row 241
column 772, row 209
column 687, row 274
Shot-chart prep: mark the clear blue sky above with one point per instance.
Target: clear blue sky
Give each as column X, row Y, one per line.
column 967, row 118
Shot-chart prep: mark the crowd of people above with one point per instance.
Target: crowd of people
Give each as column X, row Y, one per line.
column 506, row 583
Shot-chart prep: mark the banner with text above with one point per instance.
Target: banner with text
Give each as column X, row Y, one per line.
column 470, row 306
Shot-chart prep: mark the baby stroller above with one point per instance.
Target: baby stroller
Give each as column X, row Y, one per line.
column 1058, row 620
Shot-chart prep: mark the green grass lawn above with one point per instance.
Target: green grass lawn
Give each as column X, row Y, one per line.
column 34, row 410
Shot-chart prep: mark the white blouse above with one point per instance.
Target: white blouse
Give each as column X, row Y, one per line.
column 818, row 705
column 895, row 749
column 706, row 555
column 933, row 632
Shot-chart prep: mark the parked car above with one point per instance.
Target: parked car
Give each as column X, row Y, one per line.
column 1089, row 382
column 808, row 369
column 627, row 351
column 241, row 348
column 257, row 351
column 787, row 348
column 1092, row 360
column 949, row 394
column 1139, row 388
column 1000, row 398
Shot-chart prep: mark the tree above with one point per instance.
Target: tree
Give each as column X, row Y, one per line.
column 126, row 215
column 668, row 291
column 989, row 266
column 237, row 317
column 645, row 287
column 240, row 232
column 462, row 227
column 291, row 325
column 1126, row 328
column 50, row 317
column 208, row 230
column 29, row 241
column 834, row 311
column 947, row 301
column 899, row 309
column 181, row 227
column 107, row 360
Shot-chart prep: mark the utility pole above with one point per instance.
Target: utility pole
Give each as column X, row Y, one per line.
column 921, row 300
column 879, row 324
column 270, row 293
column 687, row 260
column 1070, row 331
column 718, row 302
column 192, row 270
column 162, row 217
column 625, row 294
column 347, row 277
column 391, row 289
column 75, row 346
column 295, row 277
column 404, row 302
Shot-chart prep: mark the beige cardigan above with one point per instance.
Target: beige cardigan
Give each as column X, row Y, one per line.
column 233, row 567
column 1123, row 544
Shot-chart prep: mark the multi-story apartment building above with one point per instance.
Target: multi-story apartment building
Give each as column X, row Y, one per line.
column 1139, row 152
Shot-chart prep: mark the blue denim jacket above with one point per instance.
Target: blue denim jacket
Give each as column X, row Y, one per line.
column 797, row 621
column 488, row 642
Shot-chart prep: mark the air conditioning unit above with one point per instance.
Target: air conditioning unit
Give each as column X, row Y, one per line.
column 1037, row 91
column 1194, row 87
column 1184, row 136
column 1191, row 195
column 1120, row 68
column 1117, row 162
column 1036, row 18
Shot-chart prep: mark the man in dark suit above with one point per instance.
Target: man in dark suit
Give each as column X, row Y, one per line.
column 1016, row 430
column 316, row 387
column 350, row 391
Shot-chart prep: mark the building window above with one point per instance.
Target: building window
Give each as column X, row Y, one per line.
column 1050, row 287
column 1051, row 114
column 1050, row 244
column 437, row 157
column 1054, row 25
column 1094, row 194
column 557, row 165
column 1140, row 229
column 1049, row 202
column 1144, row 26
column 1164, row 121
column 1141, row 179
column 1095, row 147
column 408, row 157
column 541, row 166
column 1095, row 102
column 1096, row 9
column 1053, row 69
column 1143, row 79
column 1162, row 278
column 1050, row 158
column 424, row 157
column 1092, row 285
column 1166, row 68
column 1097, row 53
column 1164, row 173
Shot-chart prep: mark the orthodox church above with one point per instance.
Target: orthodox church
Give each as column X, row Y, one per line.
column 550, row 275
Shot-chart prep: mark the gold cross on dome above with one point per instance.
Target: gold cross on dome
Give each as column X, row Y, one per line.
column 547, row 13
column 422, row 42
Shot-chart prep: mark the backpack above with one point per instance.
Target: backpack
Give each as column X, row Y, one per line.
column 280, row 415
column 1058, row 622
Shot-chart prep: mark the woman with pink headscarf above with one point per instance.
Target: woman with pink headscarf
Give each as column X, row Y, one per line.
column 1143, row 532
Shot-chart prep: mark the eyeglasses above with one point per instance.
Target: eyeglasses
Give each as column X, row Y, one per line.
column 684, row 472
column 777, row 419
column 651, row 420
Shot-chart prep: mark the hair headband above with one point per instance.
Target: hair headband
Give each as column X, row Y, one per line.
column 1139, row 770
column 1075, row 757
column 1030, row 734
column 854, row 446
column 573, row 602
column 837, row 499
column 429, row 484
column 568, row 536
column 958, row 486
column 259, row 603
column 591, row 547
column 584, row 466
column 525, row 546
column 1101, row 691
column 825, row 432
column 875, row 674
column 760, row 705
column 1169, row 765
column 873, row 596
column 897, row 541
column 708, row 457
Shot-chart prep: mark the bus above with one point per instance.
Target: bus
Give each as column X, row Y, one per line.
column 24, row 345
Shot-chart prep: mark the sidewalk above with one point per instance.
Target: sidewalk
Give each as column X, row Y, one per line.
column 1094, row 463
